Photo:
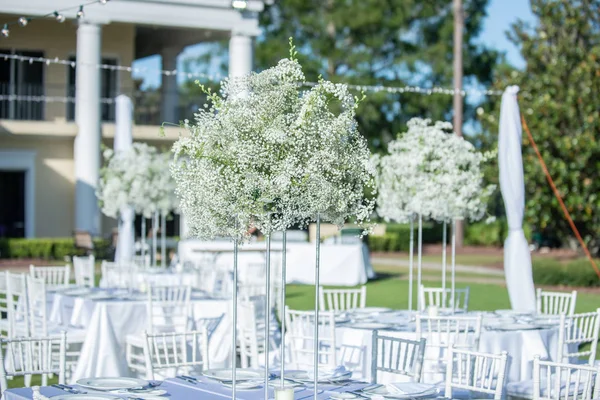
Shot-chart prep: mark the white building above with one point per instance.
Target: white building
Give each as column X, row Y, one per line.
column 50, row 150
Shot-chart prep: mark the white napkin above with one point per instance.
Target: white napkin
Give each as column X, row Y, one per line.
column 407, row 387
column 328, row 373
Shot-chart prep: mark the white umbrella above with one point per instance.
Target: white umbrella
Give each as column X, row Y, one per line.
column 517, row 259
column 123, row 142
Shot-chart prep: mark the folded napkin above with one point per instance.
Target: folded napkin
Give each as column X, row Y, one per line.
column 328, row 373
column 408, row 387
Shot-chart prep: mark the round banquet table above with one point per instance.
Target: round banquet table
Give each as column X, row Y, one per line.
column 108, row 322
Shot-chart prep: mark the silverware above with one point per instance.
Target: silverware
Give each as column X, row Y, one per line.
column 192, row 381
column 68, row 389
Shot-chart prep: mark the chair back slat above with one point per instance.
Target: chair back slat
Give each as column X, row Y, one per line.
column 555, row 303
column 33, row 356
column 168, row 308
column 175, row 353
column 443, row 299
column 123, row 276
column 342, row 299
column 397, row 356
column 561, row 381
column 476, row 372
column 53, row 276
column 36, row 298
column 85, row 271
column 575, row 332
column 300, row 332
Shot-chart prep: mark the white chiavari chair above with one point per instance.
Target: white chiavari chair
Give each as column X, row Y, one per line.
column 141, row 261
column 555, row 303
column 442, row 299
column 53, row 276
column 342, row 299
column 40, row 327
column 441, row 332
column 300, row 337
column 16, row 300
column 251, row 333
column 168, row 309
column 557, row 381
column 43, row 356
column 119, row 276
column 176, row 353
column 396, row 356
column 476, row 373
column 4, row 307
column 85, row 271
column 575, row 332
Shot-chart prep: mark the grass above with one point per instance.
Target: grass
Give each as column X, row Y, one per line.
column 461, row 259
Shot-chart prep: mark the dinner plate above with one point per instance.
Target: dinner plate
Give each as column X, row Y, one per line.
column 106, row 384
column 286, row 382
column 511, row 313
column 325, row 377
column 77, row 291
column 370, row 325
column 384, row 391
column 242, row 374
column 343, row 396
column 99, row 296
column 85, row 396
column 246, row 385
column 515, row 327
column 370, row 310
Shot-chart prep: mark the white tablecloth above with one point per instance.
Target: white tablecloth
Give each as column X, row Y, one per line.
column 163, row 278
column 341, row 264
column 108, row 322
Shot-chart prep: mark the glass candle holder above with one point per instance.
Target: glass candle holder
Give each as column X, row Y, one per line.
column 284, row 393
column 433, row 311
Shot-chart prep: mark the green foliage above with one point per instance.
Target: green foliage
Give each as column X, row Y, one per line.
column 578, row 273
column 397, row 237
column 49, row 248
column 560, row 100
column 378, row 42
column 490, row 234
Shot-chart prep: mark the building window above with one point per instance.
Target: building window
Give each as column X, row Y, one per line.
column 12, row 206
column 108, row 90
column 21, row 84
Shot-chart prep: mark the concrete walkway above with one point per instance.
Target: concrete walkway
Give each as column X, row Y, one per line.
column 429, row 266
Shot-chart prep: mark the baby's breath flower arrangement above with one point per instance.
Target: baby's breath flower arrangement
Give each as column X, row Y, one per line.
column 272, row 155
column 139, row 178
column 432, row 172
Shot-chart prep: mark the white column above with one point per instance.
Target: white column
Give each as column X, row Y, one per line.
column 241, row 54
column 87, row 116
column 170, row 95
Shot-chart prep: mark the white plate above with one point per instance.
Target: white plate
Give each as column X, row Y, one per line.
column 511, row 313
column 246, row 385
column 242, row 374
column 303, row 376
column 343, row 396
column 106, row 384
column 99, row 296
column 370, row 325
column 83, row 396
column 287, row 383
column 370, row 310
column 148, row 394
column 515, row 327
column 77, row 291
column 383, row 391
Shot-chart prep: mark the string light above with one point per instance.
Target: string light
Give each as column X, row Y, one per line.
column 47, row 99
column 239, row 4
column 216, row 78
column 57, row 14
column 59, row 17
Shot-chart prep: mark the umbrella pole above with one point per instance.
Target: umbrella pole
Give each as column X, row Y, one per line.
column 419, row 261
column 444, row 240
column 234, row 293
column 316, row 332
column 267, row 313
column 282, row 306
column 411, row 251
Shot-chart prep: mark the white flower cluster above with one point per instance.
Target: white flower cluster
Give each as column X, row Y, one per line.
column 140, row 178
column 265, row 154
column 432, row 172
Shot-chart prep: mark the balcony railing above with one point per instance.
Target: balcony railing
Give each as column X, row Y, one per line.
column 22, row 101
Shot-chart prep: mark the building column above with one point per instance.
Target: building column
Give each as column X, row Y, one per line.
column 169, row 87
column 241, row 54
column 87, row 117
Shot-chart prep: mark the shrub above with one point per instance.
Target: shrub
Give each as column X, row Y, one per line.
column 548, row 272
column 49, row 248
column 581, row 273
column 575, row 273
column 378, row 242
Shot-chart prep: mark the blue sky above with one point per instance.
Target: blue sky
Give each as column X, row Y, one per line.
column 501, row 14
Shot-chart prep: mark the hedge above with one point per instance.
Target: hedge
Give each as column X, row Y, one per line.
column 397, row 237
column 577, row 273
column 49, row 248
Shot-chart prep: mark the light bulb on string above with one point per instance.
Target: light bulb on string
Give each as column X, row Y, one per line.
column 5, row 31
column 239, row 4
column 59, row 17
column 80, row 13
column 23, row 21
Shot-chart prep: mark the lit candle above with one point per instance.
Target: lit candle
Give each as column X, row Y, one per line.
column 284, row 393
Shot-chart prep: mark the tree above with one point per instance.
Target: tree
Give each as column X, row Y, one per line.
column 560, row 100
column 379, row 42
